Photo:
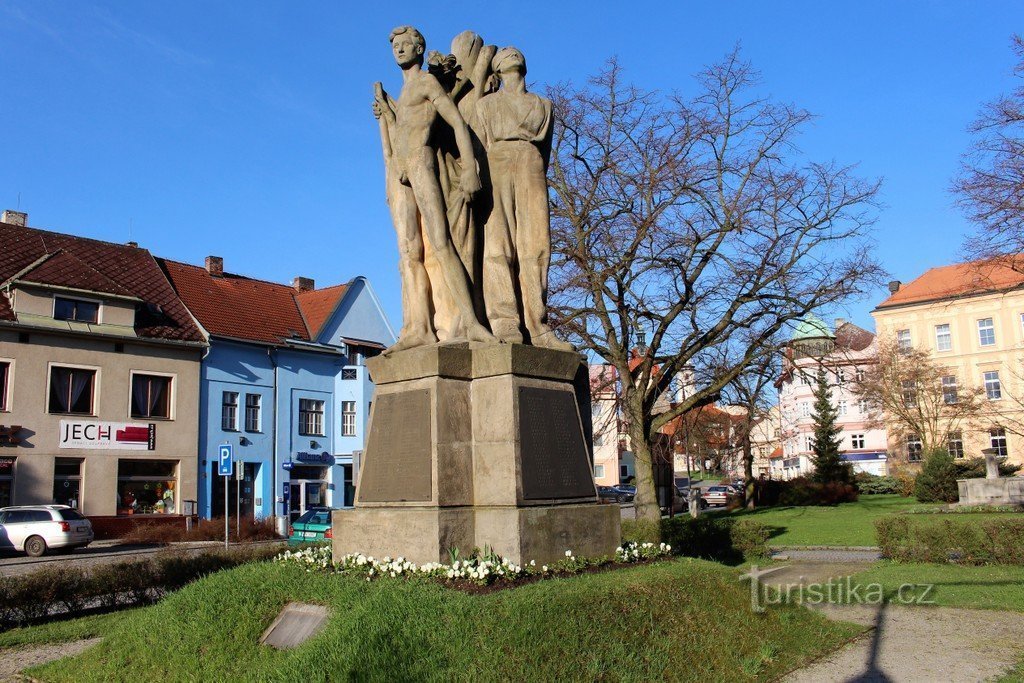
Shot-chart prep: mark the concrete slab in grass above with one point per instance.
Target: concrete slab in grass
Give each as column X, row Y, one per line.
column 297, row 623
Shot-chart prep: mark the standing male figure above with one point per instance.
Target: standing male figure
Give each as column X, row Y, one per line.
column 415, row 196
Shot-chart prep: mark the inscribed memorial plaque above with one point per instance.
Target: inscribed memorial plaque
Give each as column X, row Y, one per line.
column 398, row 460
column 554, row 456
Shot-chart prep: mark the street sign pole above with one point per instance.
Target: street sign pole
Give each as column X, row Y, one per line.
column 224, row 468
column 238, row 501
column 225, row 513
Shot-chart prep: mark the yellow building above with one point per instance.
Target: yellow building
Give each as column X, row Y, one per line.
column 970, row 317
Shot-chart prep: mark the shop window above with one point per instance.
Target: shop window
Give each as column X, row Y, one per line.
column 6, row 481
column 146, row 487
column 348, row 418
column 311, row 417
column 5, row 373
column 71, row 390
column 229, row 411
column 75, row 309
column 252, row 412
column 67, row 482
column 151, row 396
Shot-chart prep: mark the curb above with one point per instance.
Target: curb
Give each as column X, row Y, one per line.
column 850, row 548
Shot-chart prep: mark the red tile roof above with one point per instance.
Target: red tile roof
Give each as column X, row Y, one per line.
column 38, row 256
column 959, row 279
column 239, row 307
column 318, row 304
column 853, row 338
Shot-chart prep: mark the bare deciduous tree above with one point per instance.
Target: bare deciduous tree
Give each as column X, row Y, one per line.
column 990, row 187
column 693, row 225
column 911, row 395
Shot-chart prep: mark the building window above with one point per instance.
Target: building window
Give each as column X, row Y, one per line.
column 862, row 406
column 71, row 390
column 842, row 408
column 151, row 396
column 949, row 390
column 146, row 487
column 993, row 389
column 955, row 444
column 598, row 440
column 229, row 411
column 67, row 482
column 986, row 332
column 903, row 340
column 913, row 448
column 808, row 442
column 909, row 392
column 840, row 377
column 857, row 441
column 75, row 309
column 598, row 471
column 348, row 418
column 859, row 375
column 943, row 338
column 311, row 417
column 997, row 439
column 349, row 373
column 5, row 373
column 252, row 412
column 805, row 409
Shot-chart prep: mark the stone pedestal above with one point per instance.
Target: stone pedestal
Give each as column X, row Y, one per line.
column 1001, row 491
column 472, row 447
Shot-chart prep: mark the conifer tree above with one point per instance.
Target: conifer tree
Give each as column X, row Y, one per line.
column 828, row 462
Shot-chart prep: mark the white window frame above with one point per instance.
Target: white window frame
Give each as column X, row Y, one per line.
column 916, row 454
column 318, row 414
column 862, row 406
column 258, row 428
column 224, row 404
column 805, row 408
column 955, row 438
column 7, row 397
column 96, row 393
column 348, row 418
column 86, row 299
column 947, row 337
column 809, row 442
column 991, row 327
column 994, row 381
column 995, row 439
column 904, row 342
column 173, row 377
column 950, row 387
column 841, row 408
column 857, row 441
column 598, row 471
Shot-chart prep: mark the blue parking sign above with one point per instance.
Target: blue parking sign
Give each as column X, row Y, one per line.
column 224, row 467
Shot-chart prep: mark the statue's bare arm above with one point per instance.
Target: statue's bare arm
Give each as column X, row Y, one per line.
column 446, row 109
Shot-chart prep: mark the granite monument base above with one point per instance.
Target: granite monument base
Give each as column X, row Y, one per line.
column 984, row 491
column 472, row 447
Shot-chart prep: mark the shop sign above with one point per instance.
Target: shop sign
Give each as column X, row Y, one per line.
column 6, row 467
column 107, row 435
column 324, row 458
column 9, row 435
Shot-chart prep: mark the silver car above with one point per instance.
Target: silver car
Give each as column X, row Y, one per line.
column 34, row 529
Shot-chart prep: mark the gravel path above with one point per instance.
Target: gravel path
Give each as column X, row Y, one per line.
column 855, row 555
column 911, row 644
column 12, row 661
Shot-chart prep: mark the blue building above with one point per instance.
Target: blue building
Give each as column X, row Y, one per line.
column 285, row 383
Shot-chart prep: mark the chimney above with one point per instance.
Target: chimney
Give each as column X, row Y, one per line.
column 215, row 266
column 303, row 284
column 839, row 323
column 14, row 217
column 133, row 244
column 894, row 286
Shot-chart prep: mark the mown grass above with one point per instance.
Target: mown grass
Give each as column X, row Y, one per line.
column 851, row 524
column 681, row 619
column 992, row 587
column 62, row 631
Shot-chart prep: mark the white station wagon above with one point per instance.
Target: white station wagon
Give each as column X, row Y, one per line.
column 34, row 529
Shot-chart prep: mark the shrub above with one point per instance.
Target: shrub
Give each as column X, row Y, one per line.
column 716, row 538
column 974, row 468
column 937, row 480
column 641, row 531
column 871, row 484
column 203, row 530
column 802, row 491
column 918, row 538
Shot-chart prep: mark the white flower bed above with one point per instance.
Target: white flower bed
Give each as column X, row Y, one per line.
column 480, row 568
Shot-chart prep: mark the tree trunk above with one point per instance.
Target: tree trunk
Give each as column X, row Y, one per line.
column 748, row 473
column 646, row 500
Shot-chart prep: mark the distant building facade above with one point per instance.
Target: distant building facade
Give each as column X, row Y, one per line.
column 285, row 383
column 970, row 318
column 841, row 354
column 99, row 377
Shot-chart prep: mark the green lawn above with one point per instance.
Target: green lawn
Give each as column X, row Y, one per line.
column 992, row 587
column 62, row 631
column 676, row 619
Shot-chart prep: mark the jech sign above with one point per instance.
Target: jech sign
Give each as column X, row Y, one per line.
column 91, row 434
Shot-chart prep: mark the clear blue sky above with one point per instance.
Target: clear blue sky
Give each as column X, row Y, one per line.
column 244, row 129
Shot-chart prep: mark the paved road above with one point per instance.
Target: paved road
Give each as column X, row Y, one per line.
column 100, row 552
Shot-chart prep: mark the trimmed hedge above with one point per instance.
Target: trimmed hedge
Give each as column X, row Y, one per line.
column 67, row 590
column 801, row 491
column 716, row 538
column 918, row 538
column 874, row 485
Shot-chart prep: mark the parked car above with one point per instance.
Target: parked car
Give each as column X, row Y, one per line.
column 34, row 529
column 718, row 495
column 614, row 493
column 314, row 525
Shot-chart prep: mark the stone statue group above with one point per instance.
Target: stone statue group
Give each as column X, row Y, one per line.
column 466, row 151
